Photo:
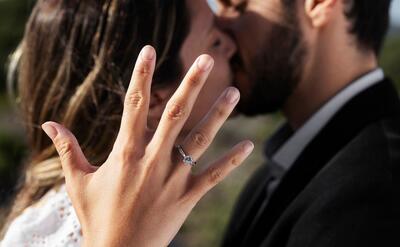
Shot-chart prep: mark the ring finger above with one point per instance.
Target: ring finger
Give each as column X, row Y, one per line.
column 199, row 139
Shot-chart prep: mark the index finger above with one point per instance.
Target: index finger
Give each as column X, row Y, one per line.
column 137, row 99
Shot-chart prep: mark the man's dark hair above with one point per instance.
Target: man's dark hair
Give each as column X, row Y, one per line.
column 370, row 21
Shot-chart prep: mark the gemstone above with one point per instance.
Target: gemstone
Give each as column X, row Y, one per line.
column 188, row 160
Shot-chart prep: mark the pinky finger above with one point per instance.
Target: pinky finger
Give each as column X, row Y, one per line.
column 221, row 168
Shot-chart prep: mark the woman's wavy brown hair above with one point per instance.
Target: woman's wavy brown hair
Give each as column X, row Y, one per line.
column 73, row 66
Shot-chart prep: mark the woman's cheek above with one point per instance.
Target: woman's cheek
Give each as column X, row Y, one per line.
column 224, row 73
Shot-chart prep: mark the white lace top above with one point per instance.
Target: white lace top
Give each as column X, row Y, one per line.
column 52, row 222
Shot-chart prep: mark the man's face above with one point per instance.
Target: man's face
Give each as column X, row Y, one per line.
column 270, row 56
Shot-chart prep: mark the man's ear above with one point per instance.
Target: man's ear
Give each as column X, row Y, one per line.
column 158, row 100
column 319, row 12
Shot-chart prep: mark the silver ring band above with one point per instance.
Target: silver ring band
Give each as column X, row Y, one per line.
column 187, row 159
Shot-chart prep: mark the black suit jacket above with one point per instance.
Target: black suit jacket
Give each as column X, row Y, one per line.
column 339, row 192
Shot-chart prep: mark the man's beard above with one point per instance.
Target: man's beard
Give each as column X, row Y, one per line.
column 275, row 72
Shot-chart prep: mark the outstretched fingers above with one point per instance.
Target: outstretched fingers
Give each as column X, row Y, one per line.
column 180, row 105
column 137, row 100
column 199, row 139
column 220, row 169
column 73, row 161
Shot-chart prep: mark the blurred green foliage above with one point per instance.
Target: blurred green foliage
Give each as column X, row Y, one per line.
column 206, row 224
column 13, row 15
column 390, row 57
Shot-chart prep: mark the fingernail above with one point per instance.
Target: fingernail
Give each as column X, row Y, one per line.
column 49, row 130
column 147, row 53
column 232, row 95
column 248, row 147
column 204, row 62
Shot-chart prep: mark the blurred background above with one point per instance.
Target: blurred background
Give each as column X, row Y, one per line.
column 206, row 224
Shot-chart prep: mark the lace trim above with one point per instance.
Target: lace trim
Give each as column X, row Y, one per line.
column 51, row 222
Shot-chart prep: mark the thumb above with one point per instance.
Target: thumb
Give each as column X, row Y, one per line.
column 73, row 161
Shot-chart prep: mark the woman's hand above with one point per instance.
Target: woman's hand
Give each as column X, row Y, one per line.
column 144, row 191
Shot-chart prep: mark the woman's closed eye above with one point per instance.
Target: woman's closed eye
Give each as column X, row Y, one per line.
column 217, row 42
column 221, row 44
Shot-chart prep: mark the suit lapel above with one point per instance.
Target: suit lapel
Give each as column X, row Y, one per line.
column 254, row 194
column 377, row 102
column 247, row 205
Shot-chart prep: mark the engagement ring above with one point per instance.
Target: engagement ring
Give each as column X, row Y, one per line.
column 187, row 159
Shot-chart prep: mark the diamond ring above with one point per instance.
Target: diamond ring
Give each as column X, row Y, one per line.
column 187, row 159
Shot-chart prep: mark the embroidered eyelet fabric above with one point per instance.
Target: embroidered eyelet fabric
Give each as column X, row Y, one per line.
column 52, row 223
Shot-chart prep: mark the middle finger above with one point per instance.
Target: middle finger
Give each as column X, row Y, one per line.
column 181, row 103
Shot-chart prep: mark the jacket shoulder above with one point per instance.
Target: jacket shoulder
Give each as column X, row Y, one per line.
column 350, row 201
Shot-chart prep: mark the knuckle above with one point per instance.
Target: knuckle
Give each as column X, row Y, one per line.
column 220, row 112
column 234, row 161
column 135, row 99
column 187, row 199
column 127, row 155
column 214, row 175
column 193, row 79
column 143, row 70
column 176, row 111
column 200, row 139
column 64, row 149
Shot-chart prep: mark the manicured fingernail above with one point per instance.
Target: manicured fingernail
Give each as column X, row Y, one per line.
column 49, row 130
column 248, row 147
column 204, row 62
column 232, row 95
column 148, row 53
